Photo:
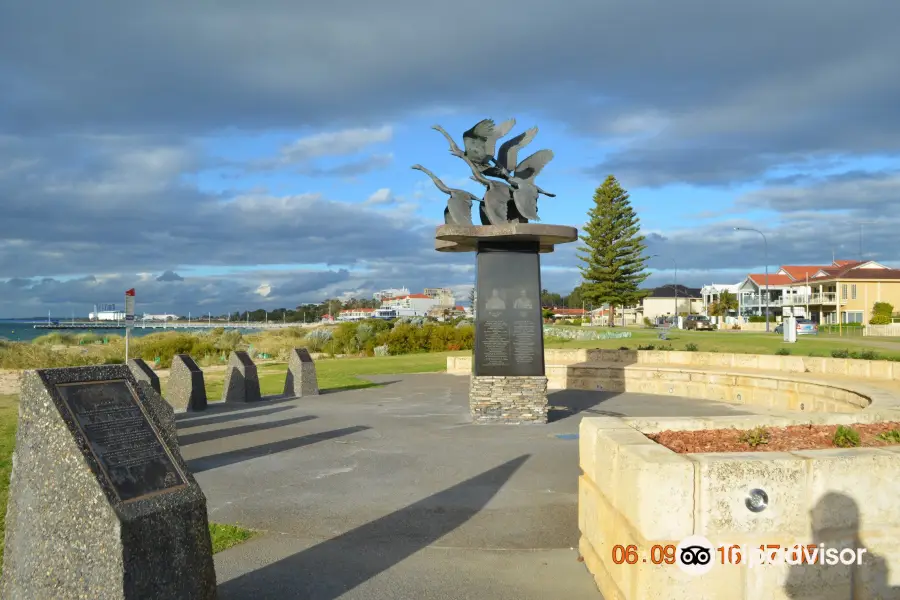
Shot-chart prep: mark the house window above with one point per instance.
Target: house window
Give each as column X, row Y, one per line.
column 853, row 291
column 855, row 316
column 844, row 291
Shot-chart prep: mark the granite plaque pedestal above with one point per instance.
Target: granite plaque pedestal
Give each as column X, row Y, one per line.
column 101, row 504
column 142, row 372
column 241, row 379
column 301, row 376
column 508, row 381
column 186, row 388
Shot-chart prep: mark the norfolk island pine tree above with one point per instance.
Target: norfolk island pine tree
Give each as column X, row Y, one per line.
column 613, row 250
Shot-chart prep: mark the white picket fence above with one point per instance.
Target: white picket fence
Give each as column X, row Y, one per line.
column 892, row 330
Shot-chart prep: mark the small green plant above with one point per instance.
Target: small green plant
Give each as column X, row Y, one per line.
column 783, row 352
column 892, row 436
column 840, row 353
column 845, row 437
column 869, row 355
column 665, row 348
column 755, row 437
column 691, row 347
column 647, row 347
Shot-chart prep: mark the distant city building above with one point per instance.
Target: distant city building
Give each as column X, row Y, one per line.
column 444, row 296
column 390, row 293
column 106, row 312
column 356, row 314
column 411, row 305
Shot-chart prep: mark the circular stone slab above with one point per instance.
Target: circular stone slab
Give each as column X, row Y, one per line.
column 465, row 238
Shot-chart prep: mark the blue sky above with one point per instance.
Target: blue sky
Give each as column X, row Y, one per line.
column 262, row 155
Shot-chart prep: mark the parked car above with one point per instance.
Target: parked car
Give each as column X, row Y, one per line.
column 804, row 327
column 698, row 322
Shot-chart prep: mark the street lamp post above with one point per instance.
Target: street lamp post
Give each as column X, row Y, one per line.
column 766, row 254
column 674, row 286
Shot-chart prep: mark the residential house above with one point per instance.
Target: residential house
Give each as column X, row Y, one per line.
column 788, row 288
column 712, row 292
column 845, row 292
column 671, row 299
column 444, row 296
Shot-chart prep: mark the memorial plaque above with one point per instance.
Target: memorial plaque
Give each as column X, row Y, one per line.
column 101, row 503
column 133, row 458
column 509, row 335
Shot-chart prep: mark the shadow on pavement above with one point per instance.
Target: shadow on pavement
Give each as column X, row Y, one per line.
column 358, row 386
column 330, row 569
column 568, row 403
column 207, row 436
column 231, row 415
column 205, row 463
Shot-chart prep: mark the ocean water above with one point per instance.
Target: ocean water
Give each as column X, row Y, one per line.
column 22, row 330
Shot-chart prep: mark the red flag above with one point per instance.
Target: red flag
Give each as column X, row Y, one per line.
column 130, row 292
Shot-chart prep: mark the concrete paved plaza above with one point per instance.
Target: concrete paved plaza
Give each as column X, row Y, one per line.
column 391, row 493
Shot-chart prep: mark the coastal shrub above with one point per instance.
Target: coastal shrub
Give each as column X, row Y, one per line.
column 166, row 345
column 277, row 343
column 317, row 339
column 691, row 347
column 782, row 352
column 844, row 353
column 25, row 355
column 407, row 338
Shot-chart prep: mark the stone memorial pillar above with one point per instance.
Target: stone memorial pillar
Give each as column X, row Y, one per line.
column 186, row 388
column 101, row 503
column 142, row 372
column 241, row 379
column 301, row 377
column 508, row 382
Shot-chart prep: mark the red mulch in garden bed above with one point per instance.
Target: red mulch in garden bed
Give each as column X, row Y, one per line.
column 780, row 439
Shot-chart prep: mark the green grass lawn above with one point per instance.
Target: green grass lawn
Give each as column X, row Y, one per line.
column 737, row 342
column 333, row 374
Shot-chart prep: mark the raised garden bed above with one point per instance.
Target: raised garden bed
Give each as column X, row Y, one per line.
column 779, row 439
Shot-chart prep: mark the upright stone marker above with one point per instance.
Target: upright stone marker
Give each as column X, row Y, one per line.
column 101, row 504
column 508, row 382
column 186, row 389
column 301, row 377
column 142, row 372
column 241, row 379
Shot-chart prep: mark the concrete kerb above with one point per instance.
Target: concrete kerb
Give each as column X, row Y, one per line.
column 814, row 496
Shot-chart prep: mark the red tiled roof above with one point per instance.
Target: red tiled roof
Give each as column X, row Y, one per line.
column 798, row 272
column 760, row 279
column 845, row 263
column 423, row 296
column 874, row 274
column 461, row 308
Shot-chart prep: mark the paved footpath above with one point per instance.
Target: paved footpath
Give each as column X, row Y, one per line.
column 391, row 493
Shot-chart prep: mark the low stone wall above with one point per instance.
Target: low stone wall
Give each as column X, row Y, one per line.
column 856, row 368
column 643, row 497
column 508, row 400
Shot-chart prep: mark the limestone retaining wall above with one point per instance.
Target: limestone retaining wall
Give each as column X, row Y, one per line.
column 639, row 495
column 857, row 368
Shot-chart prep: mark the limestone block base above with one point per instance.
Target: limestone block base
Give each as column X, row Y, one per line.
column 509, row 400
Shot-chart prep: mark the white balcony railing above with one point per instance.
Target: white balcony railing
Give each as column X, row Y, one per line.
column 790, row 299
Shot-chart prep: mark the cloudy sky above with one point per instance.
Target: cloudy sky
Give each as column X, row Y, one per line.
column 238, row 155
